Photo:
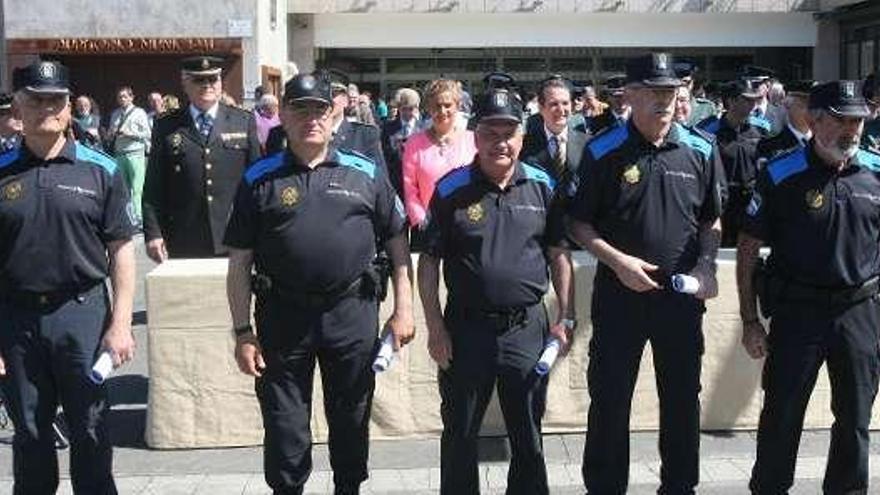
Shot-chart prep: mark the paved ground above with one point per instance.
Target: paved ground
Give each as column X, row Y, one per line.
column 398, row 467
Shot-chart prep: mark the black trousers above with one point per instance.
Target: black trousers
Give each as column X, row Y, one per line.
column 623, row 321
column 485, row 354
column 802, row 337
column 48, row 353
column 341, row 340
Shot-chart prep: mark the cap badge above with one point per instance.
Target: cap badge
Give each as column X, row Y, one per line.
column 849, row 89
column 47, row 70
column 661, row 61
column 475, row 212
column 205, row 63
column 12, row 191
column 815, row 199
column 632, row 175
column 289, row 196
column 500, row 99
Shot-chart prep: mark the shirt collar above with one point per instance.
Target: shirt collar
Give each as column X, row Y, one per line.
column 517, row 177
column 67, row 153
column 550, row 135
column 195, row 112
column 801, row 137
column 672, row 138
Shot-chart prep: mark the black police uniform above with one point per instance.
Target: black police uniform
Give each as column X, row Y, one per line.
column 13, row 140
column 191, row 180
column 738, row 149
column 56, row 218
column 823, row 229
column 314, row 234
column 492, row 243
column 648, row 202
column 785, row 139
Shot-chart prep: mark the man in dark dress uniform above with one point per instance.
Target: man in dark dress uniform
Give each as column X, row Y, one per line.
column 199, row 153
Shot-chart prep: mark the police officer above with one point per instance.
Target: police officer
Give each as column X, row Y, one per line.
column 737, row 132
column 66, row 223
column 198, row 155
column 309, row 220
column 871, row 92
column 818, row 209
column 495, row 227
column 700, row 108
column 647, row 207
column 353, row 136
column 10, row 125
column 796, row 131
column 619, row 109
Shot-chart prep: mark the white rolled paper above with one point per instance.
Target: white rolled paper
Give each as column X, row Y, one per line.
column 386, row 354
column 102, row 368
column 548, row 357
column 685, row 284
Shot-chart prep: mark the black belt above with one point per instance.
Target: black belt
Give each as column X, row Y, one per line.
column 796, row 292
column 43, row 300
column 263, row 284
column 501, row 319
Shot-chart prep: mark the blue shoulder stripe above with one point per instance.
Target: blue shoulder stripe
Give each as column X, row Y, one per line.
column 454, row 180
column 539, row 175
column 694, row 141
column 357, row 161
column 9, row 157
column 263, row 167
column 86, row 154
column 760, row 122
column 712, row 126
column 868, row 159
column 786, row 165
column 608, row 141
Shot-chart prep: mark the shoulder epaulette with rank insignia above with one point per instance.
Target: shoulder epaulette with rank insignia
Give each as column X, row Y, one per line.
column 9, row 157
column 760, row 122
column 355, row 160
column 263, row 167
column 869, row 159
column 538, row 174
column 453, row 180
column 787, row 164
column 96, row 157
column 608, row 140
column 695, row 139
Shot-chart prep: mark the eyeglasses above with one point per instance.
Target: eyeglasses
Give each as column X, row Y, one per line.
column 310, row 111
column 201, row 80
column 493, row 136
column 54, row 102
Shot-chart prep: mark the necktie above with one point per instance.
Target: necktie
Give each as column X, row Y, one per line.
column 206, row 124
column 557, row 144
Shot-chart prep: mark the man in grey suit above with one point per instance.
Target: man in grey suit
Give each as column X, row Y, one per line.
column 552, row 142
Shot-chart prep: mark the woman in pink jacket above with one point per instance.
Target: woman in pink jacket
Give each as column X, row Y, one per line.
column 429, row 155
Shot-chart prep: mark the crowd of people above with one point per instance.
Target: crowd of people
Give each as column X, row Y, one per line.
column 318, row 197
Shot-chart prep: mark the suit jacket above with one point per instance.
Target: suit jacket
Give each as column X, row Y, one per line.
column 191, row 182
column 537, row 153
column 772, row 146
column 392, row 149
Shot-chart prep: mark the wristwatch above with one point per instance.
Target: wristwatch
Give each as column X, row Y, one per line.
column 569, row 323
column 243, row 330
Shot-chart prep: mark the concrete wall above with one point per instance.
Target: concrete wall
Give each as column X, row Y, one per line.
column 826, row 55
column 271, row 41
column 302, row 41
column 596, row 30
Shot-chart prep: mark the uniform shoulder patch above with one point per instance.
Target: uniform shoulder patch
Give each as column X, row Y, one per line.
column 760, row 122
column 787, row 164
column 608, row 140
column 696, row 140
column 710, row 125
column 263, row 167
column 867, row 158
column 537, row 174
column 454, row 180
column 9, row 157
column 95, row 157
column 353, row 159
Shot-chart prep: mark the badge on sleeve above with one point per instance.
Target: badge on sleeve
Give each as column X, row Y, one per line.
column 754, row 205
column 12, row 191
column 289, row 196
column 632, row 174
column 815, row 199
column 475, row 212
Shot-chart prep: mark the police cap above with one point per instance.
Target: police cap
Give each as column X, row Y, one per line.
column 757, row 73
column 747, row 88
column 655, row 70
column 840, row 98
column 308, row 87
column 499, row 104
column 42, row 77
column 871, row 88
column 614, row 85
column 338, row 79
column 799, row 88
column 684, row 69
column 5, row 102
column 201, row 65
column 499, row 80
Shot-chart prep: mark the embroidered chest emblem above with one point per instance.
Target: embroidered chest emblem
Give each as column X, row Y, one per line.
column 632, row 174
column 289, row 196
column 12, row 191
column 475, row 212
column 815, row 199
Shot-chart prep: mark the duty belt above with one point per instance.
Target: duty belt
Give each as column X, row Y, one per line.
column 264, row 285
column 501, row 319
column 42, row 300
column 795, row 292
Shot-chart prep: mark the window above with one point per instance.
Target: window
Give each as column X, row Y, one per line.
column 525, row 65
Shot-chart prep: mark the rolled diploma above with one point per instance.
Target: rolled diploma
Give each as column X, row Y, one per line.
column 385, row 356
column 102, row 368
column 685, row 284
column 548, row 357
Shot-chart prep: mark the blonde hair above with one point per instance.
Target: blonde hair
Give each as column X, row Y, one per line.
column 439, row 86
